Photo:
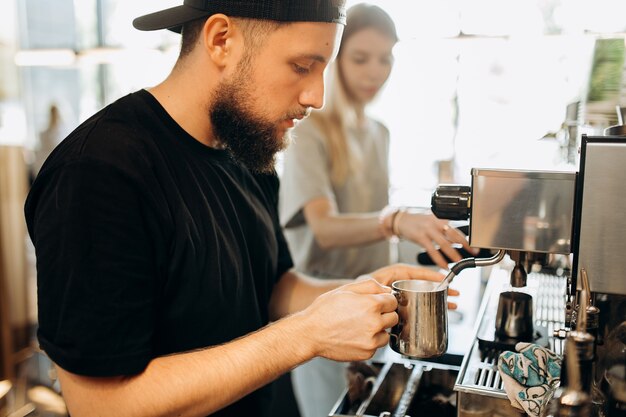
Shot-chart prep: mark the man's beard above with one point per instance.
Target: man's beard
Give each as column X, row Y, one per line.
column 252, row 140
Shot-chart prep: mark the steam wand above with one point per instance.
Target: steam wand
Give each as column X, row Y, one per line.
column 469, row 263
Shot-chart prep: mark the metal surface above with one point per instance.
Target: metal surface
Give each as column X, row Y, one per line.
column 422, row 329
column 479, row 374
column 404, row 388
column 574, row 401
column 527, row 211
column 582, row 345
column 592, row 316
column 602, row 247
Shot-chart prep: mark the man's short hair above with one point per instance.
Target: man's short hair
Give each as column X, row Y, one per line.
column 254, row 32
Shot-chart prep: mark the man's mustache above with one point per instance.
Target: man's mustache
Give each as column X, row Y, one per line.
column 299, row 114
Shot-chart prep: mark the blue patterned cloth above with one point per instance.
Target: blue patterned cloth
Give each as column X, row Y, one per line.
column 530, row 376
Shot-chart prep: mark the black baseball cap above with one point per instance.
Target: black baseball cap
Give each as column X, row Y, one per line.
column 330, row 11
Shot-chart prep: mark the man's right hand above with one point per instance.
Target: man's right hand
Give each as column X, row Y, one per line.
column 348, row 323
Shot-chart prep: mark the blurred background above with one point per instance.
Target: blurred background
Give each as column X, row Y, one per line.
column 476, row 83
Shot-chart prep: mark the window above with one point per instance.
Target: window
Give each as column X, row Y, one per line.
column 479, row 83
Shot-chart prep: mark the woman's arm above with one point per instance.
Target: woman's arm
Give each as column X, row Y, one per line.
column 334, row 230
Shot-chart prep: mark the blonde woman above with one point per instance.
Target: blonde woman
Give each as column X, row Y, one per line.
column 334, row 189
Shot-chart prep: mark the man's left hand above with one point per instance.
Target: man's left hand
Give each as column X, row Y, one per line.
column 397, row 272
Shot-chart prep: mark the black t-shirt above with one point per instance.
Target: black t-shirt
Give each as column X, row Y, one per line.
column 149, row 243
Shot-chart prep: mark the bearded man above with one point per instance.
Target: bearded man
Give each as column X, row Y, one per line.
column 164, row 281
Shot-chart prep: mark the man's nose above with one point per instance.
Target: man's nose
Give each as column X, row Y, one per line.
column 313, row 94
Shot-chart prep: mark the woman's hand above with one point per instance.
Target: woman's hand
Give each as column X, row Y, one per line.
column 432, row 234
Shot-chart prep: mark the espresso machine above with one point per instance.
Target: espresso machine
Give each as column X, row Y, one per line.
column 551, row 225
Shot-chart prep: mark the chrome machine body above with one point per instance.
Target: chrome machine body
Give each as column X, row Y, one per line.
column 526, row 211
column 601, row 222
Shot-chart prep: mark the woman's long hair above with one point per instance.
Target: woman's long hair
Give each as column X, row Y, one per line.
column 338, row 113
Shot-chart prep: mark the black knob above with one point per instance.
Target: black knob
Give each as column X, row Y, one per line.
column 451, row 202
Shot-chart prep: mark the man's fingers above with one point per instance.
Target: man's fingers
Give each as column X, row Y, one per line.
column 381, row 339
column 390, row 319
column 367, row 286
column 386, row 302
column 452, row 292
column 403, row 271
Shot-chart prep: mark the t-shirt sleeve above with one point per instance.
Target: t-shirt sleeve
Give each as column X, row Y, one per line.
column 306, row 173
column 97, row 274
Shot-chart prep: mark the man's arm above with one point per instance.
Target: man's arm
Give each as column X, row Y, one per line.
column 195, row 383
column 345, row 324
column 295, row 292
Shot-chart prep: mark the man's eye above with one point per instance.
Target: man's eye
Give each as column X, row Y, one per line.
column 300, row 69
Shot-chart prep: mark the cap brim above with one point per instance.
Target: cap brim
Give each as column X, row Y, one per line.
column 172, row 18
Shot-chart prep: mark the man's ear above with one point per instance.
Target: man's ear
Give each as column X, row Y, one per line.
column 220, row 39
